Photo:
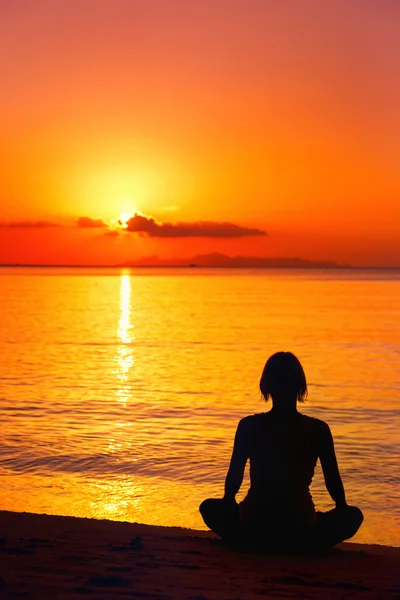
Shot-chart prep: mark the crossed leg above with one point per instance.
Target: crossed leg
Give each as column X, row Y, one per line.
column 332, row 527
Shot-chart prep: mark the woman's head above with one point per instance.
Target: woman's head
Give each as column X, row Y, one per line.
column 283, row 378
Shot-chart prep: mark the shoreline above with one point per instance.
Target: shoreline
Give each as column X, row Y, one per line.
column 45, row 557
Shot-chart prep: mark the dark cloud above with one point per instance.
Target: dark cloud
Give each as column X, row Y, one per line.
column 28, row 224
column 89, row 223
column 149, row 226
column 112, row 233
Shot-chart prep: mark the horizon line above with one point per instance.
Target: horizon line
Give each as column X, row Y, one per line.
column 194, row 266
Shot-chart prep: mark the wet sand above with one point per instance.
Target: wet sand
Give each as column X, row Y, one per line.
column 45, row 557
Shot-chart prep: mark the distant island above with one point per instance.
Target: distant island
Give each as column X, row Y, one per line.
column 234, row 262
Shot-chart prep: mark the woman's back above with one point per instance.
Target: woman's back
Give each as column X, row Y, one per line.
column 283, row 452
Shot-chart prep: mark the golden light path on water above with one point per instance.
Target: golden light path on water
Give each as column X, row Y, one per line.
column 119, row 495
column 124, row 356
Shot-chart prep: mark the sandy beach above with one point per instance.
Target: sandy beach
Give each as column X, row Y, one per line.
column 45, row 556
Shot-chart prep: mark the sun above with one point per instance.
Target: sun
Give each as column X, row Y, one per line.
column 124, row 218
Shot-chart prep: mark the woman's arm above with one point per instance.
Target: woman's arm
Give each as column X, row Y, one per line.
column 239, row 458
column 330, row 468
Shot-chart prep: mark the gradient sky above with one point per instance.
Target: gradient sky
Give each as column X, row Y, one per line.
column 281, row 117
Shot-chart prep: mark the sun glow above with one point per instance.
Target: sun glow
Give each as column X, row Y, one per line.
column 124, row 218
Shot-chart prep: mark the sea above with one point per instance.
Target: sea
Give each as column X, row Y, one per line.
column 121, row 389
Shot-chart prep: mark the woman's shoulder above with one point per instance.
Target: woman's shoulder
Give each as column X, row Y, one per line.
column 246, row 421
column 315, row 424
column 251, row 420
column 253, row 423
column 255, row 417
column 257, row 420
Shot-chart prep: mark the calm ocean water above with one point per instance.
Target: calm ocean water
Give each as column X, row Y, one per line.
column 120, row 391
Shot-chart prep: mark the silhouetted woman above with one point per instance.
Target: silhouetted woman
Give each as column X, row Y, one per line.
column 283, row 447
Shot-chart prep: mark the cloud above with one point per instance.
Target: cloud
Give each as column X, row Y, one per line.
column 28, row 224
column 89, row 223
column 147, row 226
column 209, row 229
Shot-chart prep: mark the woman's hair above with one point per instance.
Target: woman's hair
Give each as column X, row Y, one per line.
column 283, row 375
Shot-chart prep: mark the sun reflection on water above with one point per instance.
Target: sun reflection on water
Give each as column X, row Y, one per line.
column 124, row 357
column 116, row 498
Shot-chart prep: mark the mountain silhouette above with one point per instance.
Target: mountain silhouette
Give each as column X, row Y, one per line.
column 216, row 259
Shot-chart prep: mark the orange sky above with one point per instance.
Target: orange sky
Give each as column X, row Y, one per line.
column 276, row 116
